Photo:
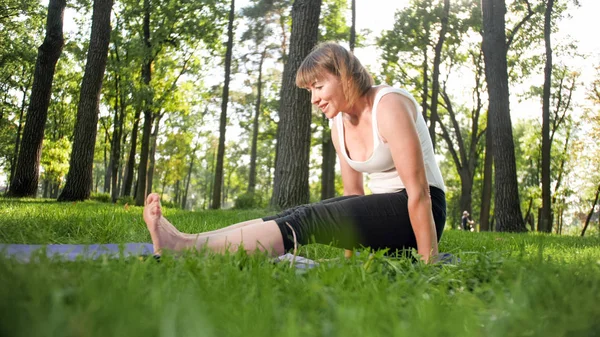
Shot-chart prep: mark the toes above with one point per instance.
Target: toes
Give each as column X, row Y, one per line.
column 152, row 197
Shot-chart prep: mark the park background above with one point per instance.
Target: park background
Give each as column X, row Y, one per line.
column 162, row 124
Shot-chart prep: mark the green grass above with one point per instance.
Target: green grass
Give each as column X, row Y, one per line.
column 504, row 285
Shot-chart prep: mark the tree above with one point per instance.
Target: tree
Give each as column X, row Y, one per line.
column 293, row 133
column 462, row 143
column 25, row 180
column 507, row 206
column 435, row 88
column 216, row 202
column 262, row 15
column 546, row 211
column 169, row 29
column 79, row 178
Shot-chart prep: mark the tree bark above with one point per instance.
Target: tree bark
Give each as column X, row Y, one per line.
column 140, row 193
column 328, row 164
column 130, row 167
column 507, row 206
column 24, row 183
column 79, row 178
column 13, row 161
column 152, row 153
column 216, row 202
column 253, row 150
column 546, row 214
column 486, row 193
column 293, row 132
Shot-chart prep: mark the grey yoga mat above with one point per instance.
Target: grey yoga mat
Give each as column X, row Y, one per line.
column 70, row 252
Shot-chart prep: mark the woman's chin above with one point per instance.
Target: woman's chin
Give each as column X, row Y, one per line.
column 331, row 115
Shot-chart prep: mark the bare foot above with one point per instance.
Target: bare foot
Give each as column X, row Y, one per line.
column 164, row 234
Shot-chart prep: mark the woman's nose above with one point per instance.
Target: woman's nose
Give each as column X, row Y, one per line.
column 313, row 98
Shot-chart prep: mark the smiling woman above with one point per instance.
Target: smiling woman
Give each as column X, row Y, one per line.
column 377, row 130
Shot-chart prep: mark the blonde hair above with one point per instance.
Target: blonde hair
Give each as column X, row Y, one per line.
column 330, row 56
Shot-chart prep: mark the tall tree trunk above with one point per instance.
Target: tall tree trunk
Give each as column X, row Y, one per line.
column 328, row 162
column 486, row 193
column 115, row 148
column 589, row 217
column 216, row 204
column 13, row 161
column 140, row 194
column 188, row 180
column 546, row 214
column 507, row 206
column 425, row 93
column 79, row 178
column 130, row 167
column 293, row 132
column 25, row 180
column 107, row 163
column 253, row 150
column 152, row 153
column 435, row 90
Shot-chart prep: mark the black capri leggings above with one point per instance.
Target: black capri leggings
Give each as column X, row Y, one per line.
column 376, row 221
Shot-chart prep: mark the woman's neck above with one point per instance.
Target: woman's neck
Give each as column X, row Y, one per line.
column 361, row 107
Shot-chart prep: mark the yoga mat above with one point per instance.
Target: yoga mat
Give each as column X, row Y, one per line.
column 24, row 253
column 72, row 252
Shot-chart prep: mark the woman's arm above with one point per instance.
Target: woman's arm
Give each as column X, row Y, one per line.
column 351, row 179
column 396, row 115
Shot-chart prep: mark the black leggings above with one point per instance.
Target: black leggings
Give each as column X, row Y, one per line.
column 375, row 221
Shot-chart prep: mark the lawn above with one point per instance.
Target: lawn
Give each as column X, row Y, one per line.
column 503, row 285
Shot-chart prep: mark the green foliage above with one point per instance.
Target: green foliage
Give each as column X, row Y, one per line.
column 55, row 159
column 247, row 201
column 333, row 26
column 101, row 197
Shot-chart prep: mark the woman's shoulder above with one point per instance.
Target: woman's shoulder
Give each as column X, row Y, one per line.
column 391, row 99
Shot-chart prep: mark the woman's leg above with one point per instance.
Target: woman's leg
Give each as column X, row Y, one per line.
column 264, row 219
column 264, row 236
column 228, row 228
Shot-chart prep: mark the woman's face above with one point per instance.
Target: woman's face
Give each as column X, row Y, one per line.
column 327, row 94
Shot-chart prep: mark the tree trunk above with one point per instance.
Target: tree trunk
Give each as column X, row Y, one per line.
column 546, row 214
column 140, row 194
column 435, row 90
column 507, row 210
column 425, row 93
column 216, row 202
column 130, row 167
column 152, row 154
column 293, row 132
column 188, row 180
column 253, row 150
column 328, row 162
column 107, row 163
column 115, row 147
column 142, row 176
column 24, row 183
column 486, row 193
column 79, row 178
column 13, row 161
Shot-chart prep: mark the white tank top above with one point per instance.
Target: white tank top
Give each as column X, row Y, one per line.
column 383, row 176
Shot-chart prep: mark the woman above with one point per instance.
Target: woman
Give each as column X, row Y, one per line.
column 376, row 130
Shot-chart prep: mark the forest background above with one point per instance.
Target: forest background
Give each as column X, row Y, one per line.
column 168, row 121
